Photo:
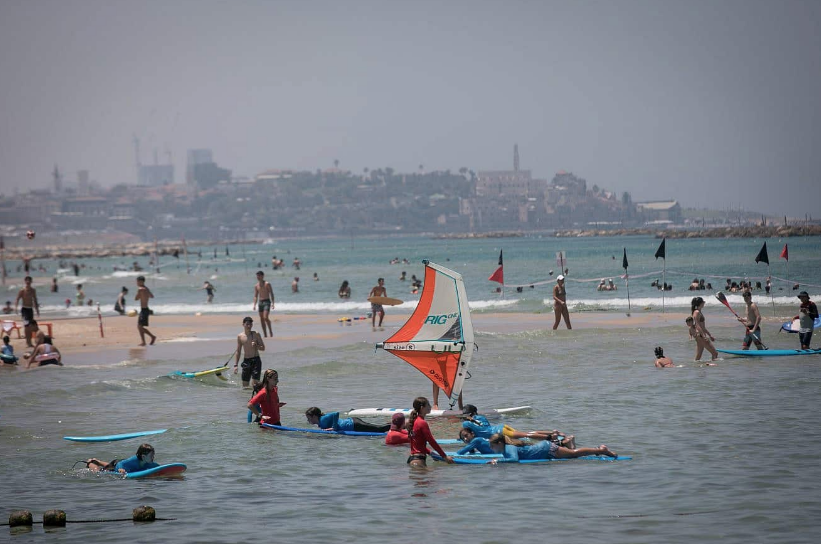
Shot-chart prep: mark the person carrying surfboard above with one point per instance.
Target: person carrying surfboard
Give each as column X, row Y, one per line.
column 808, row 313
column 378, row 291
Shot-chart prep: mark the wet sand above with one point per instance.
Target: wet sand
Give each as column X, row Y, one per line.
column 186, row 337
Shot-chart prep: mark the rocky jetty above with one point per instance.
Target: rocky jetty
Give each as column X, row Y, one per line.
column 785, row 231
column 165, row 247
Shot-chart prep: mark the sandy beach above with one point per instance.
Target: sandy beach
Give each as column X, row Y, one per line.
column 185, row 337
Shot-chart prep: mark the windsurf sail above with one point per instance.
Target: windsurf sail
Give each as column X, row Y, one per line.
column 437, row 340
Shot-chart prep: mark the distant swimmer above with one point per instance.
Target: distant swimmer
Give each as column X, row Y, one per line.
column 345, row 290
column 250, row 343
column 378, row 291
column 28, row 295
column 80, row 296
column 264, row 293
column 661, row 360
column 143, row 294
column 560, row 303
column 295, row 285
column 332, row 422
column 143, row 460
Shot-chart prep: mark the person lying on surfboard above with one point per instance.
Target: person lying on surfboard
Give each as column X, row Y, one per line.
column 514, row 450
column 143, row 460
column 482, row 428
column 331, row 422
column 397, row 434
column 473, row 443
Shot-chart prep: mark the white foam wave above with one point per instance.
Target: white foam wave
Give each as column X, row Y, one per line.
column 735, row 301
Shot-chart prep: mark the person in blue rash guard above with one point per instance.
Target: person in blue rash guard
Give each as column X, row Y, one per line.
column 479, row 426
column 515, row 450
column 332, row 422
column 143, row 460
column 473, row 443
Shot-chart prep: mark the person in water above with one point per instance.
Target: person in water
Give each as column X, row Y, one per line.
column 251, row 343
column 143, row 460
column 661, row 360
column 473, row 443
column 209, row 291
column 265, row 404
column 704, row 340
column 119, row 305
column 377, row 309
column 515, row 450
column 560, row 303
column 397, row 434
column 345, row 290
column 332, row 422
column 420, row 435
column 752, row 322
column 45, row 354
column 7, row 354
column 481, row 427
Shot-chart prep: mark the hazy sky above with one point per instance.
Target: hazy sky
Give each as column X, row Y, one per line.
column 715, row 103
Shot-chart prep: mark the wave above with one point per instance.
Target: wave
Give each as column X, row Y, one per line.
column 674, row 301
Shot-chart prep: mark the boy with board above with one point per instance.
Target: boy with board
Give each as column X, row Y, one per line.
column 378, row 291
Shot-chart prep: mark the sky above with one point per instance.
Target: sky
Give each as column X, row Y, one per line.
column 714, row 103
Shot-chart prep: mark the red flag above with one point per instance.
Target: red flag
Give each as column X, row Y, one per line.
column 785, row 254
column 499, row 275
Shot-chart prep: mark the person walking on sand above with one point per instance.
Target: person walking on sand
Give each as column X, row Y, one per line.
column 698, row 330
column 560, row 303
column 378, row 291
column 264, row 293
column 752, row 322
column 143, row 294
column 250, row 343
column 28, row 295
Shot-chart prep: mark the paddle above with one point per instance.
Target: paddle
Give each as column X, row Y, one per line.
column 723, row 299
column 226, row 363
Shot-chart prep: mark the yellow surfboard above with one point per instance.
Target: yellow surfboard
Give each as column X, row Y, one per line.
column 386, row 301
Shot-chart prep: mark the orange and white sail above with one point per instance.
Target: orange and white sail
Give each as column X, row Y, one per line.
column 437, row 340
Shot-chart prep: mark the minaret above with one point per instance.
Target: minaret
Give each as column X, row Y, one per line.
column 58, row 180
column 515, row 157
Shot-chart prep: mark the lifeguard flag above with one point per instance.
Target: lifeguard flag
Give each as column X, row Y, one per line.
column 785, row 254
column 661, row 251
column 499, row 275
column 762, row 255
column 624, row 260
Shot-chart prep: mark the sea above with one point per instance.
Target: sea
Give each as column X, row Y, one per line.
column 724, row 453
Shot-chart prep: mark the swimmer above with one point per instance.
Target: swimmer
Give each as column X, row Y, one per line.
column 515, row 450
column 143, row 460
column 397, row 434
column 661, row 360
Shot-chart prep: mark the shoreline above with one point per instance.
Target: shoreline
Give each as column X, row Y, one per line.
column 186, row 337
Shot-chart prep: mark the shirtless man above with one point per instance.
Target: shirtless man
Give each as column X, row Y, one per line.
column 378, row 291
column 143, row 294
column 29, row 296
column 251, row 342
column 560, row 303
column 265, row 294
column 752, row 322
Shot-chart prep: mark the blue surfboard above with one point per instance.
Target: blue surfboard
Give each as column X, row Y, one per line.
column 770, row 352
column 483, row 459
column 320, row 431
column 113, row 437
column 794, row 325
column 171, row 469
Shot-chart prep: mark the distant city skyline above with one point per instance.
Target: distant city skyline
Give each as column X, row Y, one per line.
column 714, row 104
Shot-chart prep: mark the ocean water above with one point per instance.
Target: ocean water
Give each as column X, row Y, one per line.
column 528, row 261
column 726, row 453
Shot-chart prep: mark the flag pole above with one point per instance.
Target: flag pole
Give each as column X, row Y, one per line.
column 626, row 280
column 772, row 298
column 663, row 283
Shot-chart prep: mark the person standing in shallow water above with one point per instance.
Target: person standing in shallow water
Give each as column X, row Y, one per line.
column 265, row 294
column 704, row 340
column 378, row 291
column 560, row 303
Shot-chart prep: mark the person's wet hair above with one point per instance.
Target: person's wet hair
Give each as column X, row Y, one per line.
column 659, row 352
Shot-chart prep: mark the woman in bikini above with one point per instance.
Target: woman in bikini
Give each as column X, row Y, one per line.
column 704, row 340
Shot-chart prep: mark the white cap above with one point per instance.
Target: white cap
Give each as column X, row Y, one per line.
column 560, row 277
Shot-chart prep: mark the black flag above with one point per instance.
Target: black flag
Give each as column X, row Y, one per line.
column 762, row 255
column 660, row 252
column 624, row 260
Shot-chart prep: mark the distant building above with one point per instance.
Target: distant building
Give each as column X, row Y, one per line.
column 155, row 175
column 195, row 157
column 660, row 211
column 82, row 182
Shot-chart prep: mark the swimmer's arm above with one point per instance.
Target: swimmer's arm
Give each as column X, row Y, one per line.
column 260, row 345
column 150, row 294
column 256, row 295
column 239, row 349
column 19, row 296
column 36, row 302
column 757, row 322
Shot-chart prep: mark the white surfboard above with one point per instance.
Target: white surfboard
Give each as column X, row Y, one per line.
column 374, row 412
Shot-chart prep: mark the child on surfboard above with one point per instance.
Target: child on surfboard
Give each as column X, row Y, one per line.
column 143, row 460
column 481, row 427
column 515, row 450
column 332, row 422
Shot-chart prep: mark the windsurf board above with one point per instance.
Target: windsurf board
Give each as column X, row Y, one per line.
column 113, row 437
column 769, row 352
column 373, row 412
